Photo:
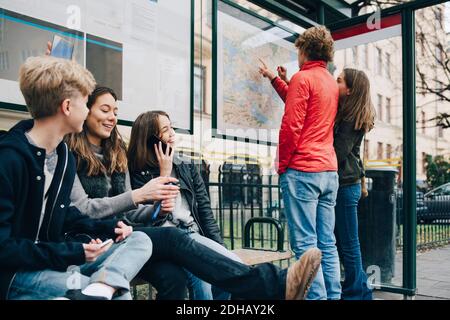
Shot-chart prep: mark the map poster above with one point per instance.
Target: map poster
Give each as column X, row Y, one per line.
column 247, row 106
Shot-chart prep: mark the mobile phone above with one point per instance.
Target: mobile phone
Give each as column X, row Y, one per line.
column 152, row 140
column 157, row 210
column 105, row 243
column 62, row 47
column 174, row 183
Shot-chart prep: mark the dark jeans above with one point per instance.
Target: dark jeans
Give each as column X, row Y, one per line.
column 355, row 283
column 264, row 281
column 167, row 278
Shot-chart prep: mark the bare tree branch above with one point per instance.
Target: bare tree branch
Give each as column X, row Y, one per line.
column 434, row 56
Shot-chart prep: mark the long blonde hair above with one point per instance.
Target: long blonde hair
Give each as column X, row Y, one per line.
column 114, row 148
column 358, row 106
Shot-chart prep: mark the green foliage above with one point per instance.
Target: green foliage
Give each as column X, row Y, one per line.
column 438, row 171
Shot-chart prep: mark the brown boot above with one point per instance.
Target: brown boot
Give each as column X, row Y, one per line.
column 302, row 273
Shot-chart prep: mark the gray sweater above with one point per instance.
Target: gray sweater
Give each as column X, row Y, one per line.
column 109, row 206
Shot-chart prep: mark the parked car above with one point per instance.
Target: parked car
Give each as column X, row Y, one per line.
column 443, row 190
column 438, row 203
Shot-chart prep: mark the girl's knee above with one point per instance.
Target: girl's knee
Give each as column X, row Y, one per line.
column 142, row 240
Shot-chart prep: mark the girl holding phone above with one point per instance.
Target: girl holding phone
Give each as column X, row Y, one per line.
column 192, row 212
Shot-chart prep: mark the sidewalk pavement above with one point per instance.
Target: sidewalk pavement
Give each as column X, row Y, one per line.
column 433, row 276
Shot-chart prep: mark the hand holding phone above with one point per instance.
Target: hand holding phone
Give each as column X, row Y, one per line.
column 94, row 249
column 62, row 48
column 154, row 140
column 164, row 154
column 105, row 243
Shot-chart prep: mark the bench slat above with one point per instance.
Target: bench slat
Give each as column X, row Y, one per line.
column 254, row 256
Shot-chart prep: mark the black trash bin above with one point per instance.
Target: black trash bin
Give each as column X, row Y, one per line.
column 241, row 182
column 377, row 223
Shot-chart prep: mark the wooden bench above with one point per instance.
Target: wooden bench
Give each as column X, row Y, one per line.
column 257, row 256
column 253, row 256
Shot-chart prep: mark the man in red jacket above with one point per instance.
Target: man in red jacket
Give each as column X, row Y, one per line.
column 306, row 161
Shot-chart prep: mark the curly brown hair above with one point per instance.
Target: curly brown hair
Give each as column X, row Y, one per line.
column 317, row 43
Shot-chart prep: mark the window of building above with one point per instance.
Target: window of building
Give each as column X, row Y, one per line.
column 355, row 56
column 380, row 151
column 379, row 61
column 388, row 110
column 440, row 132
column 380, row 107
column 364, row 58
column 424, row 163
column 388, row 65
column 199, row 88
column 366, row 149
column 389, row 151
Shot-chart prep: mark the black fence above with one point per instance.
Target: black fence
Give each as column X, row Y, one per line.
column 433, row 220
column 241, row 192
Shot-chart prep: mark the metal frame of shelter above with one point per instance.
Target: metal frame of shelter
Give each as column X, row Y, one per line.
column 336, row 15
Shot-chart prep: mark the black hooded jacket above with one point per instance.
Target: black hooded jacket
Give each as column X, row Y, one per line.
column 23, row 246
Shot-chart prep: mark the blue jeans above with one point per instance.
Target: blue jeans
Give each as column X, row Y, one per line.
column 309, row 200
column 355, row 283
column 202, row 290
column 116, row 268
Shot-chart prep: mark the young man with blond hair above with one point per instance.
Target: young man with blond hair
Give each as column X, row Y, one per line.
column 37, row 224
column 306, row 158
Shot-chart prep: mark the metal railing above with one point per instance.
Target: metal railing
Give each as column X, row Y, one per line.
column 240, row 192
column 433, row 221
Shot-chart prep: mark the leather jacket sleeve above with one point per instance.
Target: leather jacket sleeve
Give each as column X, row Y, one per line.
column 205, row 214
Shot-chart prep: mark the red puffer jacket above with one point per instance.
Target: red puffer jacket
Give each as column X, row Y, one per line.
column 306, row 134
